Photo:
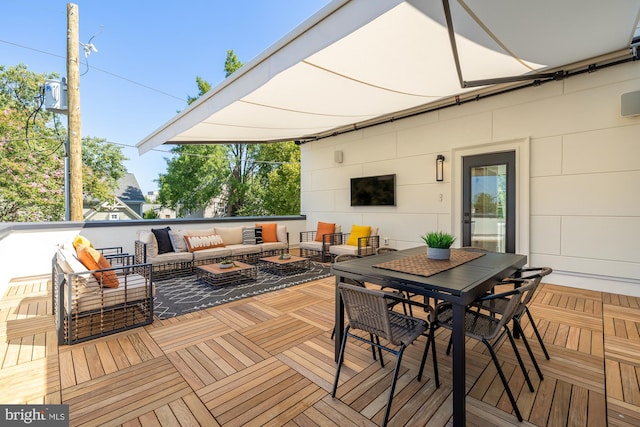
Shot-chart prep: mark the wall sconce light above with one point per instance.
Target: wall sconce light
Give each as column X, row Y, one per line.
column 337, row 156
column 440, row 167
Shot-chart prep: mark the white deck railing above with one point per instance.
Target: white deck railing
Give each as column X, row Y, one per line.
column 26, row 249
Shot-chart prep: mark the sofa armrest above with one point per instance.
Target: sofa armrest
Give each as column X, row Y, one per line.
column 308, row 236
column 368, row 245
column 110, row 251
column 333, row 239
column 140, row 252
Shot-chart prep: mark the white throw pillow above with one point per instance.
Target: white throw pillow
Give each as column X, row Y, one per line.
column 281, row 232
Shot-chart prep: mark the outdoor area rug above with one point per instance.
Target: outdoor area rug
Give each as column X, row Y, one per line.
column 180, row 295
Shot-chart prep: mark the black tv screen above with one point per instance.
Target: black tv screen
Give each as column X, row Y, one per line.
column 373, row 191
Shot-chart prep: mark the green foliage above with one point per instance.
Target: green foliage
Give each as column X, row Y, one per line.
column 195, row 177
column 279, row 175
column 150, row 214
column 231, row 63
column 102, row 168
column 438, row 239
column 203, row 87
column 32, row 154
column 485, row 203
column 245, row 179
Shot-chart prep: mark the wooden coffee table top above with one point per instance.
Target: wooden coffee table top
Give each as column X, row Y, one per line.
column 215, row 268
column 276, row 259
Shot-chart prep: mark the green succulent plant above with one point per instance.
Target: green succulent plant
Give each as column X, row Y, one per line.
column 438, row 239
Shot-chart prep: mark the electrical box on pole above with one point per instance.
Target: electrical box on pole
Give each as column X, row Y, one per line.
column 55, row 96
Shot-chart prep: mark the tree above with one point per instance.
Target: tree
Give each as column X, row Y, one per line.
column 248, row 179
column 32, row 153
column 485, row 203
column 279, row 176
column 150, row 214
column 203, row 87
column 102, row 168
column 194, row 177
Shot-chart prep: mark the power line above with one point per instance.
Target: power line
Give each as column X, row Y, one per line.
column 200, row 155
column 122, row 144
column 99, row 69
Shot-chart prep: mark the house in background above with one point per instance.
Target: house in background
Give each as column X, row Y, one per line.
column 127, row 203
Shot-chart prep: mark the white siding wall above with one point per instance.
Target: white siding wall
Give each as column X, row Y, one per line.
column 581, row 192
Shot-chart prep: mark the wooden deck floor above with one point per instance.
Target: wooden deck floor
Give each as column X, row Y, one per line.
column 268, row 360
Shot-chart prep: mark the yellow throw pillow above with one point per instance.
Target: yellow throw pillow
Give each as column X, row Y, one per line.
column 358, row 231
column 81, row 240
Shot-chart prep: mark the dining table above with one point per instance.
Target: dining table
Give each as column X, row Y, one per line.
column 463, row 278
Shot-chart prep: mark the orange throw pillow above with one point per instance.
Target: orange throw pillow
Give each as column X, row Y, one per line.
column 324, row 228
column 94, row 260
column 269, row 232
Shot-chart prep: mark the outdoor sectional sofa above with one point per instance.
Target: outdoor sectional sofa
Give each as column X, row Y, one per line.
column 186, row 249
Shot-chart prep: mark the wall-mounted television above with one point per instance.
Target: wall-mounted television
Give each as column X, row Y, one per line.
column 373, row 190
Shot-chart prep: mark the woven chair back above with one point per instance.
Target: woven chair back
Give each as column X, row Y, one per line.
column 536, row 276
column 515, row 298
column 367, row 310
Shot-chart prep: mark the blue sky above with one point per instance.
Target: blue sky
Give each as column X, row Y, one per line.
column 149, row 54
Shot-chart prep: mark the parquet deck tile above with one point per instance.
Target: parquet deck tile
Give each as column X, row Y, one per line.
column 268, row 360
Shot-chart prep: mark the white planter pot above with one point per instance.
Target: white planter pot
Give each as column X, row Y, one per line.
column 438, row 253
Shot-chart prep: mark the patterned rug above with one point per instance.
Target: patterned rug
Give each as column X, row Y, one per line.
column 180, row 295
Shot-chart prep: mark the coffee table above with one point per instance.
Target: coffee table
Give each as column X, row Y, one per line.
column 282, row 267
column 213, row 274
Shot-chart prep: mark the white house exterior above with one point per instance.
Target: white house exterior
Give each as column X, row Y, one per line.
column 578, row 174
column 392, row 84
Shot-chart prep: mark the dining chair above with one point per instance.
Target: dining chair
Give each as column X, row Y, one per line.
column 347, row 257
column 400, row 297
column 536, row 274
column 391, row 302
column 407, row 295
column 367, row 310
column 490, row 326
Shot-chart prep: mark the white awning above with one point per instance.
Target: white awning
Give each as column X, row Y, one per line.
column 359, row 61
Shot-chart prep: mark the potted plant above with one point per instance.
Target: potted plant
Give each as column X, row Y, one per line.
column 438, row 244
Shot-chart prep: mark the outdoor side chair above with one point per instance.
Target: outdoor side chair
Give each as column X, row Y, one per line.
column 407, row 295
column 498, row 305
column 367, row 310
column 490, row 326
column 399, row 298
column 536, row 274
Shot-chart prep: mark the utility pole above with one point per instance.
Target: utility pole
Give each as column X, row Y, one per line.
column 74, row 124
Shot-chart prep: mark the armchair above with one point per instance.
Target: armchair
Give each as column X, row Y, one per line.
column 312, row 246
column 87, row 307
column 358, row 241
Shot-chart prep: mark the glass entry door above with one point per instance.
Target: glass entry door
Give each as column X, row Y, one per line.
column 488, row 216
